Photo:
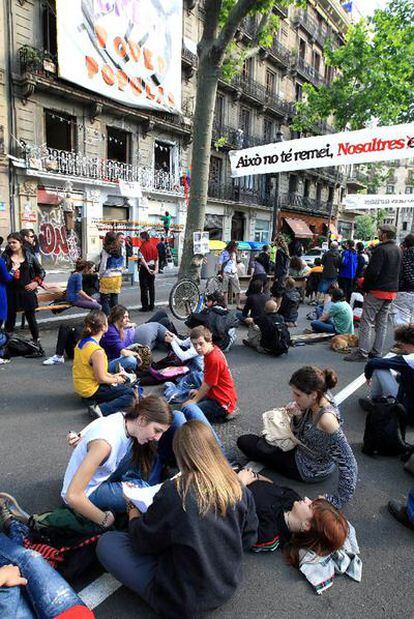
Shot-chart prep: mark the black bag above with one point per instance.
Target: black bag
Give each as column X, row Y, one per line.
column 385, row 428
column 280, row 340
column 17, row 347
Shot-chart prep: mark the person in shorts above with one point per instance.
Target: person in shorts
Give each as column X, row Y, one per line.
column 228, row 271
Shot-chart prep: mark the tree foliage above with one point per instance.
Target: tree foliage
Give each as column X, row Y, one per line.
column 374, row 74
column 365, row 227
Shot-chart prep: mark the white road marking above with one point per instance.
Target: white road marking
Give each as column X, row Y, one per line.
column 82, row 314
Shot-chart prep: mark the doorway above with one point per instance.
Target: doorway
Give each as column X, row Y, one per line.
column 237, row 226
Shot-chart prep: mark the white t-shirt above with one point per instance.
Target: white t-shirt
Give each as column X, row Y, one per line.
column 110, row 429
column 230, row 260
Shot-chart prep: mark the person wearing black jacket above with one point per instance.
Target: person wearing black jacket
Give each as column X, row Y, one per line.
column 383, row 382
column 261, row 334
column 381, row 282
column 184, row 555
column 221, row 321
column 255, row 303
column 21, row 291
column 331, row 262
column 403, row 306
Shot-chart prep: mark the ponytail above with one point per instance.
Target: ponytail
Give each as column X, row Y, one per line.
column 310, row 378
column 94, row 322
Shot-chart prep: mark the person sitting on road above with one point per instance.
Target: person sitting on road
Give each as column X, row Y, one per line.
column 290, row 522
column 316, row 423
column 74, row 291
column 105, row 393
column 217, row 397
column 268, row 333
column 117, row 339
column 403, row 513
column 290, row 302
column 221, row 321
column 255, row 303
column 68, row 336
column 184, row 555
column 380, row 373
column 339, row 319
column 298, row 267
column 312, row 285
column 29, row 586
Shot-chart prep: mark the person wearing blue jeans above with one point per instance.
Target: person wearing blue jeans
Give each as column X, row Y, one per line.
column 323, row 326
column 128, row 363
column 35, row 589
column 109, row 495
column 403, row 513
column 112, row 398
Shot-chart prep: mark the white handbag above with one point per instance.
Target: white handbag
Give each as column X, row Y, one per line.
column 277, row 429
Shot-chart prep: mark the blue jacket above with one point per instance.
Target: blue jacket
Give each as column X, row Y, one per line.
column 349, row 265
column 5, row 278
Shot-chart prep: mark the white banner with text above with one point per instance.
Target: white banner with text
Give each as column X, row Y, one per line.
column 348, row 147
column 364, row 202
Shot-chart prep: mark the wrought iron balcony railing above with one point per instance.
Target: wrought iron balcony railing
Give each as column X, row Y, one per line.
column 308, row 71
column 259, row 92
column 237, row 138
column 319, row 32
column 37, row 61
column 310, row 205
column 281, row 52
column 232, row 192
column 87, row 167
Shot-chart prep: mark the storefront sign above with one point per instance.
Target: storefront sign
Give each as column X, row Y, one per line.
column 372, row 201
column 348, row 147
column 130, row 189
column 127, row 50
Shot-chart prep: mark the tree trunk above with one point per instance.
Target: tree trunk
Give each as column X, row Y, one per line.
column 207, row 80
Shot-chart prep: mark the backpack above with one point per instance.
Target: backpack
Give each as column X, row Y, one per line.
column 4, row 338
column 385, row 428
column 18, row 347
column 280, row 339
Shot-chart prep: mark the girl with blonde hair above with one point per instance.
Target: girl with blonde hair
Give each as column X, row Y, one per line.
column 184, row 555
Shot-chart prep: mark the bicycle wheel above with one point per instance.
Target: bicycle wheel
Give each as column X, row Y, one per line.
column 184, row 298
column 212, row 284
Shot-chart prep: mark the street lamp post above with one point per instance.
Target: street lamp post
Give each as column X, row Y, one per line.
column 279, row 138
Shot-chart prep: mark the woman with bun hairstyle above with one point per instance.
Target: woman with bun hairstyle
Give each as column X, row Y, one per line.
column 184, row 555
column 105, row 393
column 291, row 522
column 113, row 449
column 316, row 423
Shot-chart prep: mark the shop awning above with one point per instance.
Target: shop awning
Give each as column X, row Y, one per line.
column 300, row 229
column 214, row 245
column 45, row 197
column 333, row 229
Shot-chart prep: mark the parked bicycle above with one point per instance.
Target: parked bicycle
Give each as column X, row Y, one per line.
column 187, row 297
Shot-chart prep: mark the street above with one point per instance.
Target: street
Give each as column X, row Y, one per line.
column 39, row 408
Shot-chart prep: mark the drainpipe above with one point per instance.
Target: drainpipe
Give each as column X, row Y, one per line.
column 11, row 110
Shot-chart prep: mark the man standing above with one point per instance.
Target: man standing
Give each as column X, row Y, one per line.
column 148, row 268
column 380, row 286
column 331, row 261
column 162, row 254
column 166, row 222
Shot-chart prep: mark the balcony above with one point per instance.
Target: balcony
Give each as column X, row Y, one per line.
column 357, row 179
column 97, row 171
column 280, row 10
column 236, row 137
column 297, row 202
column 259, row 94
column 280, row 53
column 230, row 192
column 318, row 32
column 308, row 71
column 37, row 62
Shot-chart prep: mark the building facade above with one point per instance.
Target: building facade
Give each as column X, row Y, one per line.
column 71, row 159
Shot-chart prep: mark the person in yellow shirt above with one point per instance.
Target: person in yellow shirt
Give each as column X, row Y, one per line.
column 104, row 392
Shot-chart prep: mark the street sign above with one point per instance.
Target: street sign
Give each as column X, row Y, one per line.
column 368, row 201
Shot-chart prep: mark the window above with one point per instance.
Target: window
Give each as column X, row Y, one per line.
column 318, row 192
column 216, row 170
column 409, row 190
column 302, row 49
column 306, row 188
column 331, row 193
column 163, row 160
column 390, row 189
column 261, row 233
column 268, row 130
column 405, row 225
column 329, row 73
column 49, row 27
column 117, row 146
column 298, row 92
column 270, row 82
column 219, row 110
column 245, row 118
column 293, row 183
column 60, row 130
column 247, row 71
column 316, row 61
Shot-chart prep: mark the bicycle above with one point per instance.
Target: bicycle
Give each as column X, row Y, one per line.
column 187, row 297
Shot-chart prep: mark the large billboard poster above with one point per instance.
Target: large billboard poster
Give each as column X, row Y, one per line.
column 128, row 50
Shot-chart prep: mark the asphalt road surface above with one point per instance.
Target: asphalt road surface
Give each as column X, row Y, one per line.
column 38, row 408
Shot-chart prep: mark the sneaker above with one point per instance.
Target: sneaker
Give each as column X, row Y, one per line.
column 374, row 355
column 399, row 512
column 356, row 356
column 365, row 404
column 9, row 508
column 55, row 360
column 94, row 411
column 143, row 309
column 4, row 361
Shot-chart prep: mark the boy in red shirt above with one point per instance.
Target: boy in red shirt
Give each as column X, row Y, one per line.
column 217, row 395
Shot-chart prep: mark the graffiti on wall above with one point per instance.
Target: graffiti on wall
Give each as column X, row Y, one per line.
column 59, row 245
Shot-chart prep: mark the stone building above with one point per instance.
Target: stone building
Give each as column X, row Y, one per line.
column 65, row 149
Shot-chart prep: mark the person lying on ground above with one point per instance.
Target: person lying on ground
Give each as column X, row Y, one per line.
column 221, row 321
column 339, row 319
column 105, row 393
column 29, row 586
column 129, row 447
column 153, row 333
column 68, row 336
column 74, row 291
column 403, row 513
column 290, row 522
column 185, row 351
column 184, row 555
column 380, row 373
column 255, row 303
column 289, row 304
column 316, row 423
column 268, row 333
column 217, row 397
column 118, row 337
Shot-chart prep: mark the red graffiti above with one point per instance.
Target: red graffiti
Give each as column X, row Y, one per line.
column 53, row 239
